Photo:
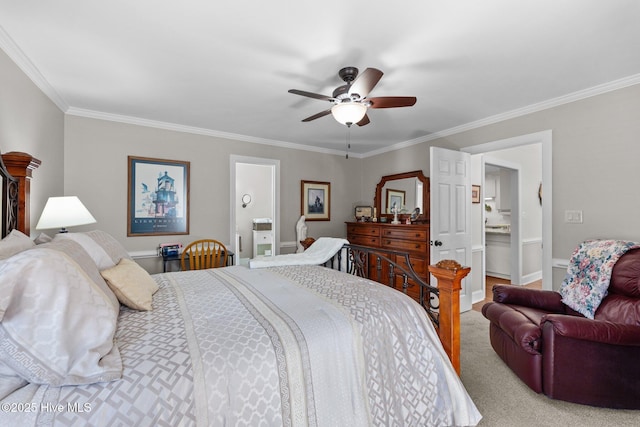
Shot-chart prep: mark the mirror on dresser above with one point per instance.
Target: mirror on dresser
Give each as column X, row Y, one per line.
column 409, row 189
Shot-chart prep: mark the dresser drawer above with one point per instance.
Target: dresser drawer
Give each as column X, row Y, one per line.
column 365, row 230
column 419, row 265
column 405, row 245
column 364, row 240
column 405, row 234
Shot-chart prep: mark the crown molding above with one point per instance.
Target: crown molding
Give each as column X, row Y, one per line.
column 533, row 108
column 199, row 131
column 17, row 55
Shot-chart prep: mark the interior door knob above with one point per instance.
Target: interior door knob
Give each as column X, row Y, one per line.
column 436, row 243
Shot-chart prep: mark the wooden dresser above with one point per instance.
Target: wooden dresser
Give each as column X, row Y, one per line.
column 410, row 238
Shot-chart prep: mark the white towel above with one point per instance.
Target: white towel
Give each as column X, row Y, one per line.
column 318, row 253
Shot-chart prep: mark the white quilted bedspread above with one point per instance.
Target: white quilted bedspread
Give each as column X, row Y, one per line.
column 282, row 346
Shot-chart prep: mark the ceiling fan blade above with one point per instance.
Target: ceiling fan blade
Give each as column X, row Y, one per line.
column 364, row 121
column 366, row 81
column 392, row 101
column 318, row 115
column 310, row 94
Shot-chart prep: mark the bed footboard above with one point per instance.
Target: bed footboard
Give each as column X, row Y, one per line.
column 442, row 303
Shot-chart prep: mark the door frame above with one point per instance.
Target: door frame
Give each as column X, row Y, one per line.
column 515, row 270
column 234, row 197
column 545, row 138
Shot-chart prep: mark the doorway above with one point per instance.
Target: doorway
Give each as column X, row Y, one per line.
column 501, row 220
column 254, row 194
column 543, row 138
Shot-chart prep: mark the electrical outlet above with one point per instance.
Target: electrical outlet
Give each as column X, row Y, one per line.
column 573, row 217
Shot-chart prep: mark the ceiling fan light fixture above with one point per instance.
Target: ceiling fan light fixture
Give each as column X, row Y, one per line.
column 348, row 112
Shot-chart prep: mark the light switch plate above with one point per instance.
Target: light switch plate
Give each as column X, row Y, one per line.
column 573, row 217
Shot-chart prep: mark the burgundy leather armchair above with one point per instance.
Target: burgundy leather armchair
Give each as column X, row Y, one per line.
column 559, row 352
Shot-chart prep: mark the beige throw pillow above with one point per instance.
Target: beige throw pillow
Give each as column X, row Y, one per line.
column 132, row 285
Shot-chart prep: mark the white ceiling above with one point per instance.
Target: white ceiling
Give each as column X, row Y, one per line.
column 224, row 67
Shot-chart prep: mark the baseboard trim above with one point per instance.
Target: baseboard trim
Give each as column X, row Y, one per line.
column 560, row 263
column 529, row 278
column 144, row 254
column 477, row 296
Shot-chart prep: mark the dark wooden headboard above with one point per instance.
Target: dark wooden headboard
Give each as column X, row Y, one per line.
column 9, row 200
column 15, row 171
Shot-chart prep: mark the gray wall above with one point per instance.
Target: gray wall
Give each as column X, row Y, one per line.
column 595, row 164
column 31, row 122
column 96, row 153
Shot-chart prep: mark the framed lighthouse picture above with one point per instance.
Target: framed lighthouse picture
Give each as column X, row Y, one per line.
column 157, row 197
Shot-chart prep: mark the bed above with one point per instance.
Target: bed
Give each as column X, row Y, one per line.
column 89, row 338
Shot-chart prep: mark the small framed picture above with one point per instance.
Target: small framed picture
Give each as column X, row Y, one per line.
column 475, row 194
column 158, row 197
column 315, row 200
column 364, row 211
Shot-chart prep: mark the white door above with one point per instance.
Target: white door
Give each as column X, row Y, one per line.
column 450, row 212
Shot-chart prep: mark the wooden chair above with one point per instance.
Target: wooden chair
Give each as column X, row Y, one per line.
column 205, row 253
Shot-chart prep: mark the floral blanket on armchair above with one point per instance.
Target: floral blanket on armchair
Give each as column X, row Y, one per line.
column 589, row 272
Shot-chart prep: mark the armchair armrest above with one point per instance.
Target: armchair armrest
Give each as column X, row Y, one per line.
column 535, row 298
column 599, row 331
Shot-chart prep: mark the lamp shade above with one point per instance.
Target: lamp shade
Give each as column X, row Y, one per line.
column 62, row 212
column 348, row 112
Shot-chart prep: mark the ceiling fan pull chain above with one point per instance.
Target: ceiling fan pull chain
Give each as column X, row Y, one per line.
column 348, row 139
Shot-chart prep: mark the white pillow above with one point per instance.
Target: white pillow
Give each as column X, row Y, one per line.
column 109, row 243
column 42, row 238
column 14, row 243
column 103, row 247
column 57, row 326
column 83, row 260
column 99, row 255
column 131, row 283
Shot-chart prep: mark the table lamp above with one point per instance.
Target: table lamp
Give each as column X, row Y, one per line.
column 62, row 212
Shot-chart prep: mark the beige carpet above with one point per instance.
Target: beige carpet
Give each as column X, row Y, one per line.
column 503, row 400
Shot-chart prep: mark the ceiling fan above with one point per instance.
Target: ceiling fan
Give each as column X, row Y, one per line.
column 350, row 100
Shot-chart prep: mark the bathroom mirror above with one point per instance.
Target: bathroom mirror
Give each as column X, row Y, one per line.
column 408, row 189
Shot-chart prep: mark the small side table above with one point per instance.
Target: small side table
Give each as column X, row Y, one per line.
column 166, row 259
